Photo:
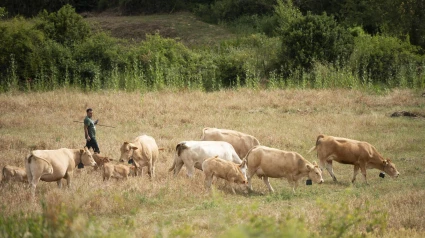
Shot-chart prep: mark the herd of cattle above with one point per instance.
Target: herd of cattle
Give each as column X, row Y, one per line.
column 221, row 153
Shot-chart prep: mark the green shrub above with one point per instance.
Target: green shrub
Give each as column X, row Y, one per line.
column 314, row 38
column 64, row 26
column 385, row 60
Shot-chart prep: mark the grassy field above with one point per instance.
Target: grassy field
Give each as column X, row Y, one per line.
column 180, row 207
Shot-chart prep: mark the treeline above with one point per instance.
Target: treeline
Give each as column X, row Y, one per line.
column 280, row 45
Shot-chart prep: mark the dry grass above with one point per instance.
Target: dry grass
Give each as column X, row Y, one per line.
column 285, row 119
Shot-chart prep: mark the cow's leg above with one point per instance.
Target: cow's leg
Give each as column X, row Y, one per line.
column 267, row 182
column 190, row 171
column 150, row 170
column 356, row 171
column 59, row 182
column 208, row 180
column 330, row 169
column 232, row 184
column 179, row 165
column 363, row 170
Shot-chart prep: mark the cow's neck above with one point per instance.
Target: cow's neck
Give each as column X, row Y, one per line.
column 77, row 156
column 377, row 162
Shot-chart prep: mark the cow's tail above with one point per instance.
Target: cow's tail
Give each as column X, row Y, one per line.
column 203, row 133
column 317, row 143
column 247, row 154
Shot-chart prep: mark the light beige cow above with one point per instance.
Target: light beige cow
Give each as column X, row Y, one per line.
column 241, row 142
column 117, row 171
column 53, row 165
column 144, row 152
column 13, row 173
column 347, row 151
column 227, row 170
column 269, row 162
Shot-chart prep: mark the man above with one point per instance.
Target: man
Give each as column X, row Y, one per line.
column 90, row 131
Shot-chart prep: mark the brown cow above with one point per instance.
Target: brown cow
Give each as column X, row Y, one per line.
column 13, row 173
column 100, row 160
column 117, row 171
column 269, row 162
column 241, row 142
column 53, row 165
column 347, row 151
column 216, row 167
column 144, row 152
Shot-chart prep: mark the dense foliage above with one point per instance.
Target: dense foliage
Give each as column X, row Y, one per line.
column 279, row 44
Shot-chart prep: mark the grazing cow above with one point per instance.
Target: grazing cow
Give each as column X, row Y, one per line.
column 100, row 160
column 13, row 173
column 53, row 165
column 216, row 167
column 241, row 142
column 346, row 151
column 269, row 162
column 144, row 152
column 193, row 153
column 117, row 171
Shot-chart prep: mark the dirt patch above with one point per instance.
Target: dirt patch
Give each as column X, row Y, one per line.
column 406, row 114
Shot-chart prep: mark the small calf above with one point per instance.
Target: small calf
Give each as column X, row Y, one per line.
column 230, row 171
column 13, row 173
column 117, row 171
column 100, row 160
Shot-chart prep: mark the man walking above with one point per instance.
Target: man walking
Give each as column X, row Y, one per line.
column 90, row 131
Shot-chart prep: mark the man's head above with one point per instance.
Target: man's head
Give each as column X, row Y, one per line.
column 89, row 112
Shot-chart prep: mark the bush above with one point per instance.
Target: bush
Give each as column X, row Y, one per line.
column 314, row 38
column 64, row 26
column 384, row 59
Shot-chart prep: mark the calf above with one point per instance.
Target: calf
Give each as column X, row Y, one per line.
column 117, row 171
column 13, row 173
column 100, row 160
column 216, row 167
column 347, row 151
column 269, row 162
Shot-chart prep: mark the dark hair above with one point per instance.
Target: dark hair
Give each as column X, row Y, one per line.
column 89, row 109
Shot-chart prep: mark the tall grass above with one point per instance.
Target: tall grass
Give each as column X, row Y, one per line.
column 287, row 119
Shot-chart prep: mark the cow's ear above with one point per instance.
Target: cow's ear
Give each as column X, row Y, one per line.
column 385, row 162
column 314, row 163
column 242, row 164
column 82, row 150
column 310, row 167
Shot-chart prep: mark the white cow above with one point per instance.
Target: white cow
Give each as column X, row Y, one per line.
column 193, row 153
column 53, row 165
column 241, row 142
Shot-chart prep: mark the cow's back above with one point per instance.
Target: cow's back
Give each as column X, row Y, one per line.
column 241, row 142
column 343, row 150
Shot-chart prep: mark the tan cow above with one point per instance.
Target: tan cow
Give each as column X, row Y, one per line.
column 100, row 160
column 347, row 151
column 216, row 167
column 270, row 162
column 117, row 171
column 241, row 142
column 144, row 152
column 53, row 165
column 13, row 173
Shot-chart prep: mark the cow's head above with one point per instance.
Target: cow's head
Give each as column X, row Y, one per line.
column 243, row 168
column 127, row 151
column 86, row 157
column 389, row 168
column 314, row 173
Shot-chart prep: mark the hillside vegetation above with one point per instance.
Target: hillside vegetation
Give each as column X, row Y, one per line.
column 181, row 207
column 211, row 45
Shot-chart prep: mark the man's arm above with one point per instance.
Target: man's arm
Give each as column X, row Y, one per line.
column 86, row 132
